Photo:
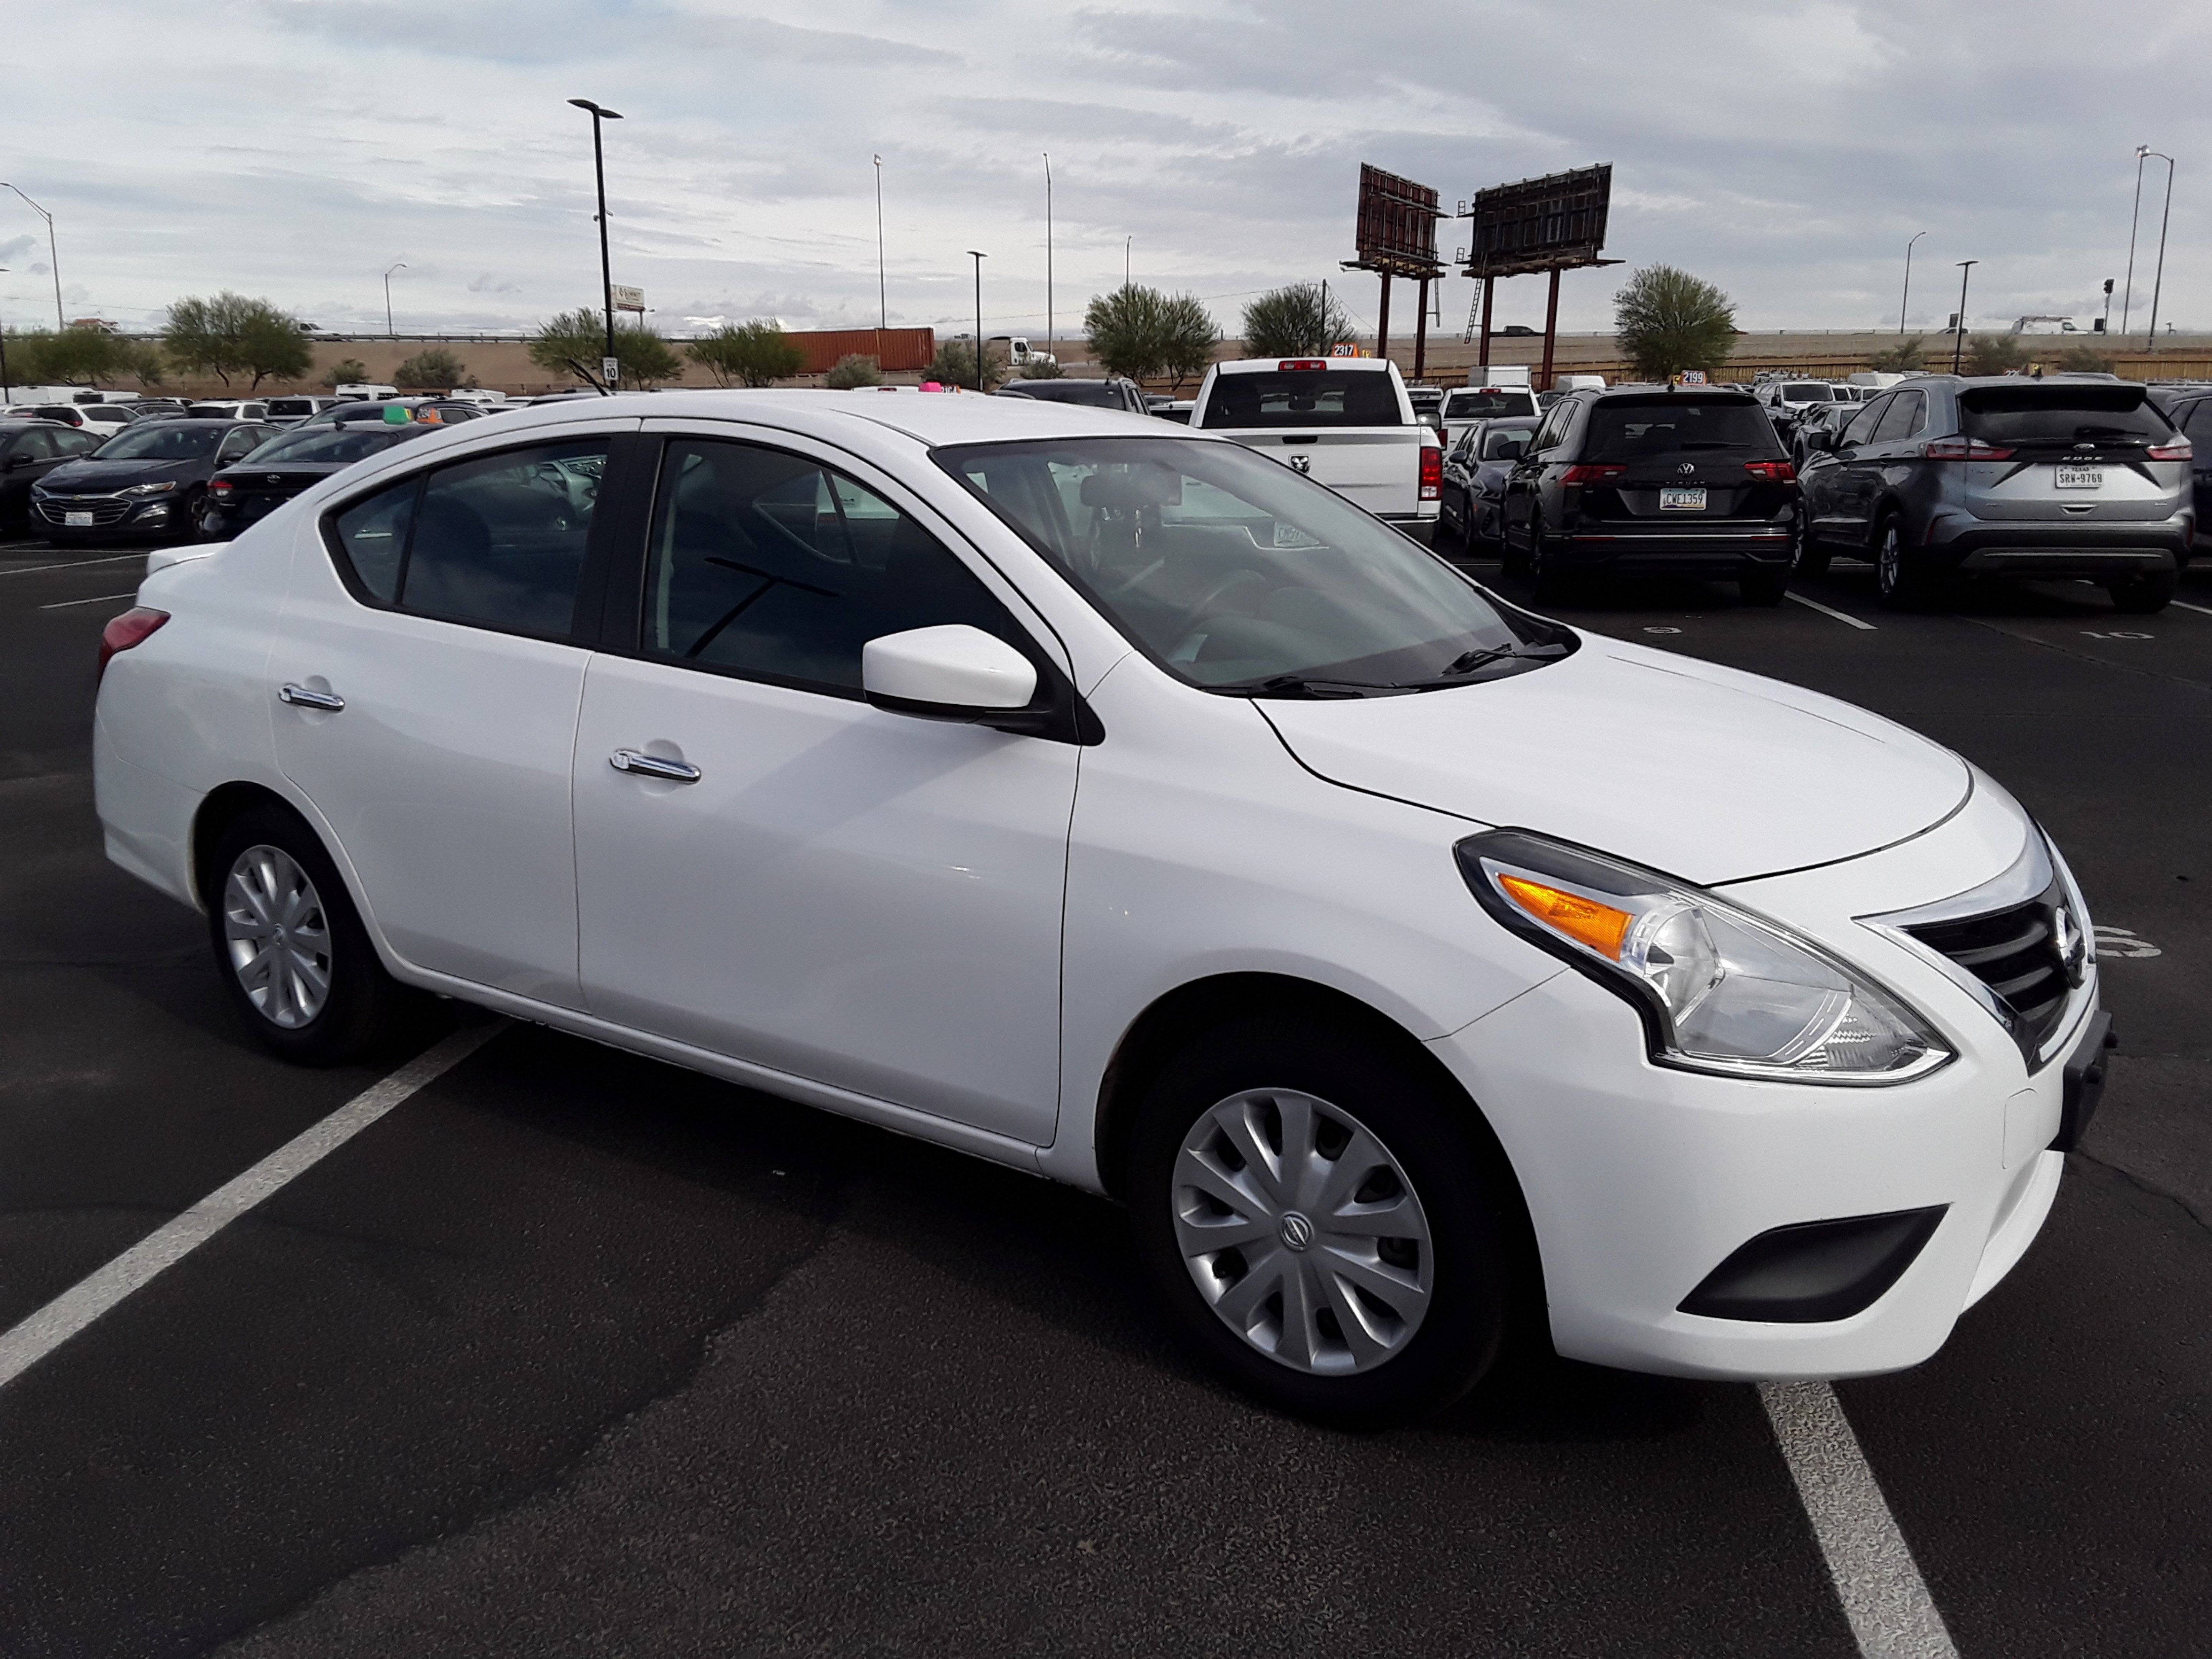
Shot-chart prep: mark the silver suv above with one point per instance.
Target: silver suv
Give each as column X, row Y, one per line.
column 1945, row 476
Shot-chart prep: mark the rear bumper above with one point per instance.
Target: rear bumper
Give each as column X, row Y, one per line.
column 1721, row 549
column 1978, row 547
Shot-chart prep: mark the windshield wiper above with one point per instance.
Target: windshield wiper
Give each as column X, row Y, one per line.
column 1298, row 685
column 1467, row 662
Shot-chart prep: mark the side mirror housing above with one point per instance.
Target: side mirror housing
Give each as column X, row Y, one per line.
column 951, row 673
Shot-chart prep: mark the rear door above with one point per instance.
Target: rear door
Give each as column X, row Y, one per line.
column 1349, row 428
column 2077, row 450
column 1685, row 462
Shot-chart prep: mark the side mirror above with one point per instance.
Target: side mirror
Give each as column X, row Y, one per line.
column 950, row 672
column 15, row 461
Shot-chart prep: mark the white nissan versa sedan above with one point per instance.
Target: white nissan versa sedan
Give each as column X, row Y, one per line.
column 1119, row 805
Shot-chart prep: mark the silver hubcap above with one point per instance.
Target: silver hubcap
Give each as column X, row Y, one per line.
column 1893, row 560
column 279, row 938
column 1302, row 1232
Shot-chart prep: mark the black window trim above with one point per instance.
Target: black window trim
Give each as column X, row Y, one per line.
column 599, row 544
column 1058, row 713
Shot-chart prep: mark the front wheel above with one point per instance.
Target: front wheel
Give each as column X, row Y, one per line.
column 1806, row 556
column 293, row 954
column 2145, row 595
column 1322, row 1221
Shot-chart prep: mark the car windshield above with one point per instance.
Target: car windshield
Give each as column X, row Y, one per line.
column 2060, row 413
column 163, row 440
column 1667, row 423
column 1234, row 573
column 1808, row 392
column 331, row 444
column 1303, row 397
column 1481, row 405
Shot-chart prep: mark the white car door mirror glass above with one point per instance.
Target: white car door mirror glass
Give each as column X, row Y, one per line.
column 951, row 666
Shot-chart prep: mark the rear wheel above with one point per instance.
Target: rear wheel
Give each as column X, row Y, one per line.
column 1319, row 1222
column 293, row 954
column 1550, row 581
column 1901, row 584
column 2144, row 596
column 1512, row 560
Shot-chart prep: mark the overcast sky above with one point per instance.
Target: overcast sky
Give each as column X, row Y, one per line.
column 1785, row 150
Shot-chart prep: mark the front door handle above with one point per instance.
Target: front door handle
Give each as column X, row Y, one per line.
column 300, row 697
column 653, row 766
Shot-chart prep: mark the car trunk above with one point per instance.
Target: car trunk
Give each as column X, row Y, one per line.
column 253, row 493
column 1682, row 459
column 2075, row 452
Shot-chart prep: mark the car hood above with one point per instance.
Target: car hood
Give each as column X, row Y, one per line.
column 89, row 475
column 1705, row 772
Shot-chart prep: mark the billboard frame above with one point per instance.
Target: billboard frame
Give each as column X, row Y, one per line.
column 1569, row 212
column 1394, row 233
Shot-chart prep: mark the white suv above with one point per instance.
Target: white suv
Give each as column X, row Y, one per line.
column 1115, row 804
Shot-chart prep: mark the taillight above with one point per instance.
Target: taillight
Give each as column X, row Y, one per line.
column 2183, row 451
column 131, row 628
column 1303, row 363
column 221, row 487
column 1772, row 472
column 1586, row 473
column 1432, row 473
column 1964, row 449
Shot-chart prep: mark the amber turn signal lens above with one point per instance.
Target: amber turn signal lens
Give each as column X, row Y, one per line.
column 1586, row 921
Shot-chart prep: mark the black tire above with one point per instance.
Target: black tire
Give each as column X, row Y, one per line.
column 185, row 526
column 1552, row 585
column 1443, row 539
column 1763, row 587
column 1462, row 1196
column 1806, row 556
column 2145, row 595
column 1513, row 560
column 1898, row 583
column 362, row 1004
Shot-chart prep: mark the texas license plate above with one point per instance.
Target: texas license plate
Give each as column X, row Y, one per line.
column 2080, row 477
column 77, row 521
column 1682, row 498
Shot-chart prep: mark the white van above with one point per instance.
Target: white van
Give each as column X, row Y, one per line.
column 364, row 390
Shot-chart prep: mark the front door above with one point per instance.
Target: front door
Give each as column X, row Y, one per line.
column 424, row 690
column 856, row 898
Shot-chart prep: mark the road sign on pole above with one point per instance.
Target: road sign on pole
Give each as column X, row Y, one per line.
column 610, row 369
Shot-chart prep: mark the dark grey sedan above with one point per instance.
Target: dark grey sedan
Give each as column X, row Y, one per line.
column 1471, row 509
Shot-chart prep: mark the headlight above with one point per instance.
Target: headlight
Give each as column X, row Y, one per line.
column 148, row 489
column 1719, row 988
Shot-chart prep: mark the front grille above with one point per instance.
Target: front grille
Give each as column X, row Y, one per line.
column 2020, row 953
column 104, row 509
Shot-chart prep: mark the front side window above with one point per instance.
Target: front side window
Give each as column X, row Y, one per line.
column 1234, row 573
column 498, row 541
column 768, row 565
column 1861, row 427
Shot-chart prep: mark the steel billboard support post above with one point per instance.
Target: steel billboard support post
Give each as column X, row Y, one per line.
column 1550, row 326
column 1489, row 287
column 1421, row 334
column 1382, row 321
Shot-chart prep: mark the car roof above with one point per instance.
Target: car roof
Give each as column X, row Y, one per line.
column 1264, row 365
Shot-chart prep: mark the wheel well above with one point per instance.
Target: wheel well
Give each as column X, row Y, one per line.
column 1189, row 1010
column 223, row 806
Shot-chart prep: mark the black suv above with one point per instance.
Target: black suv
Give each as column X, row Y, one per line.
column 1649, row 481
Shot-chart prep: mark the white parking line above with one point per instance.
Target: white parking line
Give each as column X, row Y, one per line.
column 41, row 1333
column 2184, row 604
column 68, row 564
column 1884, row 1597
column 97, row 599
column 1841, row 616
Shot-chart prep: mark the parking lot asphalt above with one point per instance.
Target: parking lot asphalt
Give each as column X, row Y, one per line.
column 573, row 1352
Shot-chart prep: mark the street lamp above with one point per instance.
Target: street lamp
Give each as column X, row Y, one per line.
column 1048, row 345
column 53, row 253
column 883, row 290
column 979, row 258
column 389, row 330
column 1128, row 242
column 1903, row 303
column 1959, row 339
column 2128, row 293
column 599, row 171
column 2150, row 340
column 7, row 389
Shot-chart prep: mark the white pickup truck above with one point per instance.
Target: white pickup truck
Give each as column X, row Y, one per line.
column 1343, row 422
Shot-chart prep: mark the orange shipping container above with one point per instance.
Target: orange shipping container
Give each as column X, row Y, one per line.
column 894, row 350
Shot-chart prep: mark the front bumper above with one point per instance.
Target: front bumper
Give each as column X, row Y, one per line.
column 114, row 517
column 1642, row 1180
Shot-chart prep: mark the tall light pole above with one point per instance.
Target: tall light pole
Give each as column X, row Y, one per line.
column 2128, row 294
column 882, row 288
column 2150, row 341
column 390, row 332
column 1048, row 345
column 1959, row 339
column 7, row 390
column 979, row 258
column 599, row 171
column 53, row 251
column 1128, row 242
column 1907, row 298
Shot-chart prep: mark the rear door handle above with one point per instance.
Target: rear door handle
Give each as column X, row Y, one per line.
column 653, row 766
column 300, row 697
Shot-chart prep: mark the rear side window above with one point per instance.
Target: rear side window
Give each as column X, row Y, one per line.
column 1628, row 428
column 2060, row 414
column 498, row 541
column 1862, row 429
column 1906, row 413
column 766, row 565
column 1303, row 397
